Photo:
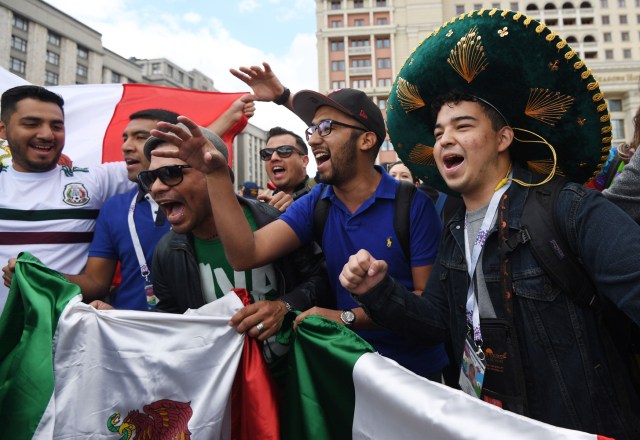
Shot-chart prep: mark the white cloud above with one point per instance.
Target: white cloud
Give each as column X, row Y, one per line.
column 192, row 17
column 247, row 5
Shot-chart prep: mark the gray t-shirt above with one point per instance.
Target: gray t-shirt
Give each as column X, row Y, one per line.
column 474, row 222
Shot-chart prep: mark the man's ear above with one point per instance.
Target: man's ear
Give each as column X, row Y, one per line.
column 505, row 138
column 305, row 160
column 3, row 131
column 368, row 141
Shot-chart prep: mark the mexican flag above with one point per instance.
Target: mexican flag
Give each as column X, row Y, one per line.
column 339, row 388
column 70, row 371
column 96, row 114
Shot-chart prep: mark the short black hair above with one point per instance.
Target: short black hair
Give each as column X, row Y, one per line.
column 279, row 131
column 12, row 96
column 155, row 114
column 455, row 97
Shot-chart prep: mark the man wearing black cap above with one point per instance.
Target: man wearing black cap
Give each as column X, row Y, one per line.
column 345, row 132
column 490, row 106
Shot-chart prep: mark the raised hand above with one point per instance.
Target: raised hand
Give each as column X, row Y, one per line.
column 191, row 146
column 263, row 82
column 362, row 272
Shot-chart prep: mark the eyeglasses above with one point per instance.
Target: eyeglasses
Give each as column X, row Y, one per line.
column 283, row 151
column 171, row 175
column 324, row 128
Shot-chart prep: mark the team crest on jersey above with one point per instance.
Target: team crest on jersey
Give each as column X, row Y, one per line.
column 75, row 194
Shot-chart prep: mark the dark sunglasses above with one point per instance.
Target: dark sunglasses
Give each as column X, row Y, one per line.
column 171, row 175
column 283, row 151
column 324, row 128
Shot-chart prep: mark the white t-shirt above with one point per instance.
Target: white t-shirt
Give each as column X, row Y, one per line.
column 52, row 214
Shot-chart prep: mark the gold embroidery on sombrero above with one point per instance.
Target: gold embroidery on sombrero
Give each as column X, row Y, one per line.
column 450, row 33
column 527, row 21
column 561, row 45
column 503, row 32
column 468, row 58
column 547, row 106
column 581, row 121
column 554, row 66
column 543, row 166
column 517, row 16
column 422, row 155
column 409, row 96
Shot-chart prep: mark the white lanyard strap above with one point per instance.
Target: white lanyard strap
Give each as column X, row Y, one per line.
column 144, row 269
column 473, row 314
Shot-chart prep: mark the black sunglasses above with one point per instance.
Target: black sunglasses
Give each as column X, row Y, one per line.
column 324, row 128
column 283, row 151
column 171, row 175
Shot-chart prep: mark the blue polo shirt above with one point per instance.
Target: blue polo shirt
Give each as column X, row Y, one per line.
column 371, row 228
column 112, row 240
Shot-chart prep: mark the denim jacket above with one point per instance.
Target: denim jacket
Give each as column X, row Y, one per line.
column 567, row 376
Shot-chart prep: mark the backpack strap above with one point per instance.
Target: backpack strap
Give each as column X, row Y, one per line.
column 320, row 216
column 402, row 216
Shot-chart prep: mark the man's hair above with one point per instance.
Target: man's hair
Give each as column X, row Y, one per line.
column 635, row 141
column 155, row 114
column 278, row 131
column 12, row 96
column 455, row 97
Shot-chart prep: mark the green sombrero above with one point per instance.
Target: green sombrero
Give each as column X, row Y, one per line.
column 524, row 70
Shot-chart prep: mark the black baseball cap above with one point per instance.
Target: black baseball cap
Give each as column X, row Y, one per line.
column 352, row 102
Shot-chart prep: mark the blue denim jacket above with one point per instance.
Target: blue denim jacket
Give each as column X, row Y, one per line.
column 567, row 375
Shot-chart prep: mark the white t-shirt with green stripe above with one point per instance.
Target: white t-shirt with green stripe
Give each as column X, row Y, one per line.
column 52, row 214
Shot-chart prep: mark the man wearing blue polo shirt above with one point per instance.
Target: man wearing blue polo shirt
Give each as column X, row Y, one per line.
column 346, row 130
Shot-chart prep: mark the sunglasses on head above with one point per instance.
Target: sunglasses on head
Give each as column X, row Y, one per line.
column 325, row 126
column 283, row 151
column 171, row 175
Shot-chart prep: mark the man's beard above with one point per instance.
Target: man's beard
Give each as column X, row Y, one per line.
column 341, row 164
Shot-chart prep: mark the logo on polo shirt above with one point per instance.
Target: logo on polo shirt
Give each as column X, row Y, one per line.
column 75, row 194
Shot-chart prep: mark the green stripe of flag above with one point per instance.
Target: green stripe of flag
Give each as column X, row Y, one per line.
column 48, row 214
column 320, row 396
column 37, row 297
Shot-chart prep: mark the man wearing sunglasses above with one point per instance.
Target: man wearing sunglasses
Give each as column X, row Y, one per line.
column 190, row 268
column 285, row 161
column 346, row 130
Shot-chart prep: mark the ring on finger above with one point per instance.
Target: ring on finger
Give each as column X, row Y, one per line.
column 260, row 327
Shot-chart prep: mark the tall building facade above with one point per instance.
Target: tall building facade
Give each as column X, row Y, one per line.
column 363, row 43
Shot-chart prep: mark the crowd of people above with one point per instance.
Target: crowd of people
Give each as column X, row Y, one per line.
column 466, row 300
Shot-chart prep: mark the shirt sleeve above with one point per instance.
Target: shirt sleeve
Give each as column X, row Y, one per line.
column 102, row 244
column 299, row 215
column 111, row 179
column 425, row 232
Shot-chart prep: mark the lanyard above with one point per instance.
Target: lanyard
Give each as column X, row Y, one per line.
column 472, row 257
column 144, row 269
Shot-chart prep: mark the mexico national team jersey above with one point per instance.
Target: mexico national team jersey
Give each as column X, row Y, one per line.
column 53, row 214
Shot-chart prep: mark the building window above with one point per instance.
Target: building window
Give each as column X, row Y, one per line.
column 513, row 6
column 384, row 63
column 337, row 66
column 53, row 39
column 19, row 44
column 337, row 46
column 622, row 3
column 20, row 23
column 623, row 19
column 190, row 83
column 358, row 4
column 384, row 82
column 170, row 71
column 606, row 37
column 83, row 53
column 51, row 78
column 361, row 63
column 382, row 104
column 180, row 77
column 336, row 23
column 617, row 126
column 358, row 22
column 626, row 54
column 381, row 3
column 605, row 19
column 335, row 6
column 625, row 36
column 608, row 54
column 156, row 69
column 82, row 71
column 477, row 6
column 18, row 65
column 459, row 9
column 615, row 105
column 380, row 21
column 335, row 85
column 359, row 43
column 383, row 43
column 386, row 146
column 53, row 58
column 115, row 77
column 495, row 5
column 604, row 3
column 361, row 84
column 638, row 18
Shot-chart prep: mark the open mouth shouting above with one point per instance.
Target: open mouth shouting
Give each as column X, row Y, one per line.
column 173, row 210
column 452, row 161
column 321, row 157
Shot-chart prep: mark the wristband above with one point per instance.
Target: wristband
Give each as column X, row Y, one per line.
column 282, row 99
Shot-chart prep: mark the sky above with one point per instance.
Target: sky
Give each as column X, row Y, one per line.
column 214, row 36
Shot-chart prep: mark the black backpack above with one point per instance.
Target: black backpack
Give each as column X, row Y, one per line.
column 401, row 216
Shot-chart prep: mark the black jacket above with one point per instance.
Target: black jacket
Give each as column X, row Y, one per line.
column 176, row 276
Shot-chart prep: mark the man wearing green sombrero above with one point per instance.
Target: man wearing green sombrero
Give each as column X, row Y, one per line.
column 491, row 106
